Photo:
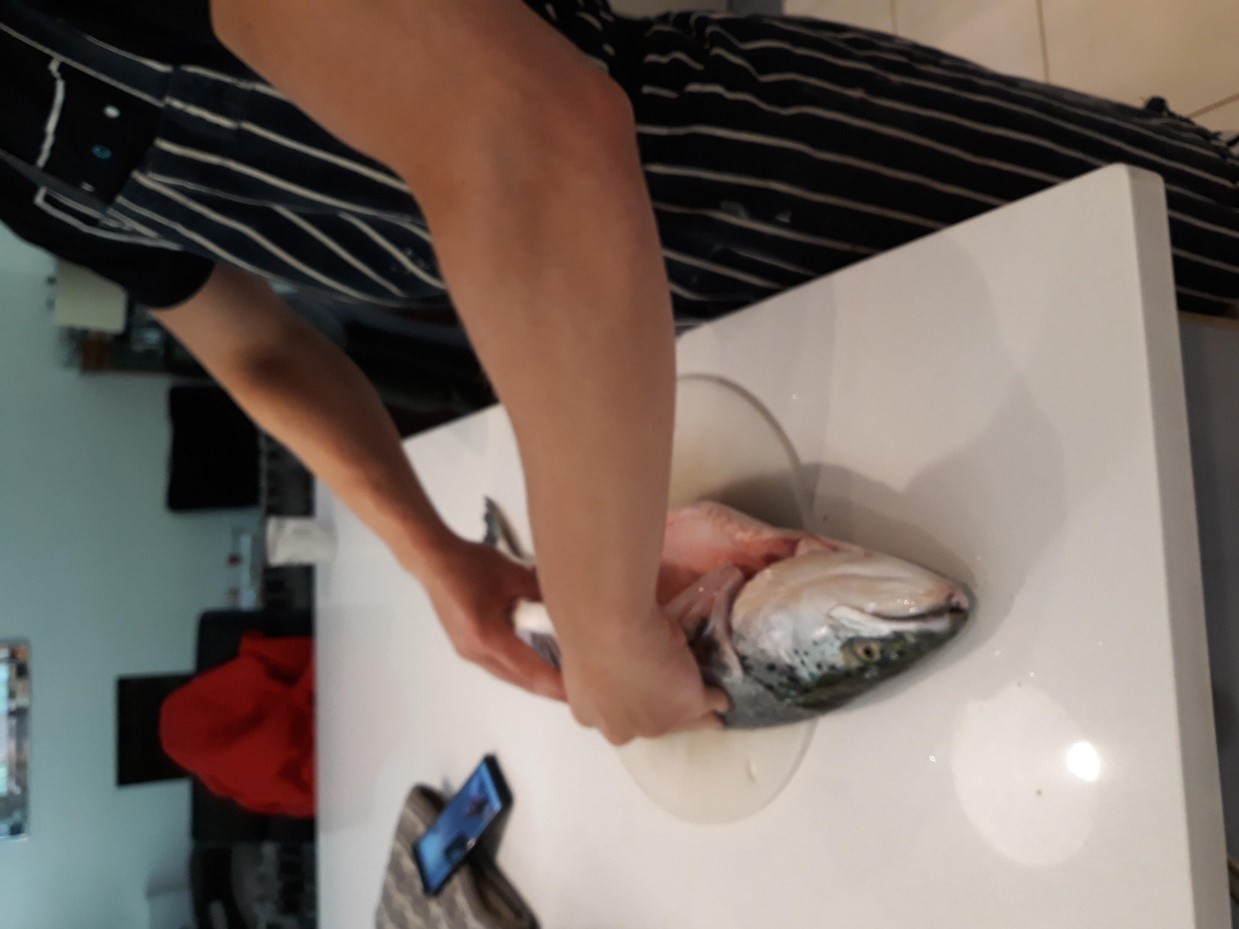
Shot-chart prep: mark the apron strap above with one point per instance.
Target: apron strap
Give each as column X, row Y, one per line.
column 131, row 73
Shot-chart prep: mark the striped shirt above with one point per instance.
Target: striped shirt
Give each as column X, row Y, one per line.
column 775, row 150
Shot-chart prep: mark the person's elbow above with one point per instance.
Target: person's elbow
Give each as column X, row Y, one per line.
column 603, row 108
column 589, row 131
column 580, row 132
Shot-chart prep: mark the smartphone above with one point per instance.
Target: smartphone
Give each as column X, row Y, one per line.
column 443, row 848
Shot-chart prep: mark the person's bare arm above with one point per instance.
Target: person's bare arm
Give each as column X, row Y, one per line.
column 523, row 157
column 304, row 390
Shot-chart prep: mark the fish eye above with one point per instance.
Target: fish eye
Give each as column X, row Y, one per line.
column 867, row 650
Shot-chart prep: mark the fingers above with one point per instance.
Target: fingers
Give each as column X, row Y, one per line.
column 498, row 670
column 717, row 700
column 551, row 690
column 521, row 582
column 706, row 722
column 524, row 668
column 508, row 658
column 526, row 587
column 710, row 721
column 717, row 704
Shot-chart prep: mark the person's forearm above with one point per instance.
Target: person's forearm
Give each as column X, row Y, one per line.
column 553, row 260
column 523, row 157
column 313, row 399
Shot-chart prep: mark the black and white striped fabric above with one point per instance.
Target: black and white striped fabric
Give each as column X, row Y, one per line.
column 780, row 149
column 776, row 150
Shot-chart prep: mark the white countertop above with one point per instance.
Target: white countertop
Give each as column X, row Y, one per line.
column 1001, row 401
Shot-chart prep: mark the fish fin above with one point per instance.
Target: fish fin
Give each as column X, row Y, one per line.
column 729, row 580
column 685, row 611
column 710, row 635
column 718, row 627
column 546, row 647
column 692, row 607
column 499, row 533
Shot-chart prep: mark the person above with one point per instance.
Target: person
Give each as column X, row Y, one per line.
column 574, row 179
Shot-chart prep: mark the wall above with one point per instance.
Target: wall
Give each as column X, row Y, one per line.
column 104, row 582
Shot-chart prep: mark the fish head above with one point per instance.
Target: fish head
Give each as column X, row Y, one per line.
column 824, row 626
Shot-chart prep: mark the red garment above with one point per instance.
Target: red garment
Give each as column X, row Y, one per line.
column 246, row 728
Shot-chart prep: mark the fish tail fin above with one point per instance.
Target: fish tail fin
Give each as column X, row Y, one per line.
column 499, row 533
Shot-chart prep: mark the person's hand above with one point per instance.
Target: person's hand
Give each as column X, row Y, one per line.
column 636, row 678
column 473, row 588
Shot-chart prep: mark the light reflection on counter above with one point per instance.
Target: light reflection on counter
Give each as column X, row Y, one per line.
column 1007, row 762
column 1083, row 761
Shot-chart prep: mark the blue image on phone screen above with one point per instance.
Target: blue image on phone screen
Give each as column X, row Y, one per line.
column 443, row 848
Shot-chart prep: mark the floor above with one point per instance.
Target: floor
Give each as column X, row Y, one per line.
column 1184, row 50
column 1130, row 50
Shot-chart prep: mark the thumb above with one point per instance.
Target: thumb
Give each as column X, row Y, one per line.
column 521, row 582
column 717, row 700
column 527, row 669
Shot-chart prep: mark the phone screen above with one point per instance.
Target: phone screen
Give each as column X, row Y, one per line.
column 463, row 821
